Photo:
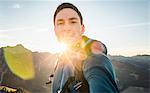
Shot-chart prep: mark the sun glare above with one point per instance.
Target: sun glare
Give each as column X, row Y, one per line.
column 62, row 47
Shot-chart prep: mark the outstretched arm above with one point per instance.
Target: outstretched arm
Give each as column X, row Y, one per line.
column 99, row 72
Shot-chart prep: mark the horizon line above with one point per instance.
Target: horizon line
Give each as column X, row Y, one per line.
column 39, row 51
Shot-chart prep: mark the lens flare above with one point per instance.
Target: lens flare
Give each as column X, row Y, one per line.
column 19, row 61
column 62, row 47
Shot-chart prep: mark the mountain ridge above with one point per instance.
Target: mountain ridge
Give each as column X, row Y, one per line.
column 130, row 71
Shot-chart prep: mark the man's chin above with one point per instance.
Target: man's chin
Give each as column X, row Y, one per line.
column 69, row 42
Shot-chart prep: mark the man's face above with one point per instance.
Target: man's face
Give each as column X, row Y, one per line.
column 68, row 27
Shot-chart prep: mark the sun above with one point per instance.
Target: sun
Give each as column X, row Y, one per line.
column 62, row 47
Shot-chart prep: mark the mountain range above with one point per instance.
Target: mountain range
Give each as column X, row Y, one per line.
column 132, row 72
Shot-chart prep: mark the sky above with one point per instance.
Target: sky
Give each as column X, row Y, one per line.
column 122, row 25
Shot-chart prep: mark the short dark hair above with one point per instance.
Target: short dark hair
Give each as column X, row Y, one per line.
column 68, row 5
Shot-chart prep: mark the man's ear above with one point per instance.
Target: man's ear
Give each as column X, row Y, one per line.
column 54, row 28
column 83, row 29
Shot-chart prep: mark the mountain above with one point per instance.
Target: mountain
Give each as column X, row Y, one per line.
column 132, row 72
column 43, row 66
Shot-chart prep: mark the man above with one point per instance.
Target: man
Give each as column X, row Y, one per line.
column 84, row 67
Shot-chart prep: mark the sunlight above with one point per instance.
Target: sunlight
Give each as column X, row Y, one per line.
column 62, row 47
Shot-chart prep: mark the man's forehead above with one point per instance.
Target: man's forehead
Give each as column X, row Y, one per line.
column 67, row 13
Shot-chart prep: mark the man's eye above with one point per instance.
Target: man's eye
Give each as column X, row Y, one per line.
column 60, row 23
column 73, row 22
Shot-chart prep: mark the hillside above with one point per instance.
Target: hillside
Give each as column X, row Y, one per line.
column 132, row 72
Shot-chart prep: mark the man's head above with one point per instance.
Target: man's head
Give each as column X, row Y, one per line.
column 68, row 23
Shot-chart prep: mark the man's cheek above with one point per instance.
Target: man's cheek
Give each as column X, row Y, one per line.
column 59, row 36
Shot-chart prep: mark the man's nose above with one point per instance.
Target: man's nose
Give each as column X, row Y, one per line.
column 67, row 27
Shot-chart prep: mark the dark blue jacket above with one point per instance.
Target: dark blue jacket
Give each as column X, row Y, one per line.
column 98, row 76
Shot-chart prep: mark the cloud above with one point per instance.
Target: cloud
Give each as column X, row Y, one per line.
column 127, row 26
column 16, row 6
column 24, row 29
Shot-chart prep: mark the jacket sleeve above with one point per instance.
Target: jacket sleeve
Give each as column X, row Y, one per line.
column 100, row 75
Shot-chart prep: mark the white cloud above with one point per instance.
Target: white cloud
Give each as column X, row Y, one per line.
column 17, row 6
column 127, row 26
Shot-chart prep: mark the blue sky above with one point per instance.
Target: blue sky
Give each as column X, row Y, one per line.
column 123, row 25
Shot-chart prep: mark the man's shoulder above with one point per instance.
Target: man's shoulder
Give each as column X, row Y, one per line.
column 97, row 47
